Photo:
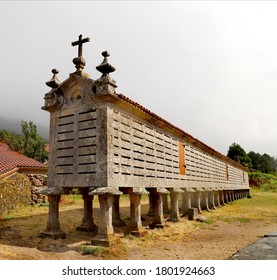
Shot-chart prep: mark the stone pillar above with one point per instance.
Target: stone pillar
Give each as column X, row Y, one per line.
column 174, row 213
column 105, row 223
column 222, row 197
column 211, row 200
column 165, row 203
column 88, row 221
column 117, row 221
column 226, row 194
column 186, row 201
column 216, row 198
column 105, row 228
column 53, row 229
column 135, row 224
column 151, row 204
column 135, row 212
column 232, row 195
column 196, row 201
column 158, row 218
column 205, row 199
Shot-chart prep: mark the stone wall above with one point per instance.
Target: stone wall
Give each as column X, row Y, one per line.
column 38, row 181
column 21, row 190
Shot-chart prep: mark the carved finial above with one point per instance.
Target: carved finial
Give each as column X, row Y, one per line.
column 54, row 82
column 80, row 61
column 105, row 68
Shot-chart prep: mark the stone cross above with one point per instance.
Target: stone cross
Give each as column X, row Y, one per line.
column 80, row 43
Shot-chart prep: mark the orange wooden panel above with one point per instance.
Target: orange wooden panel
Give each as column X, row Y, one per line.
column 227, row 173
column 182, row 165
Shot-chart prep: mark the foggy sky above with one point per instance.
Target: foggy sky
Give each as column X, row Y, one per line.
column 209, row 68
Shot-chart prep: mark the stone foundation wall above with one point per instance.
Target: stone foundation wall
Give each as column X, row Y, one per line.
column 37, row 181
column 21, row 190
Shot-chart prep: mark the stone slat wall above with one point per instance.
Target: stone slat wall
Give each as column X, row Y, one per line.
column 73, row 158
column 143, row 155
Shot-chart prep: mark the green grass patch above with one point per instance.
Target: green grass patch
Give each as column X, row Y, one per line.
column 243, row 220
column 87, row 249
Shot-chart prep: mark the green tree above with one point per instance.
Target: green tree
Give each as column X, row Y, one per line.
column 267, row 164
column 29, row 142
column 264, row 163
column 237, row 153
column 255, row 159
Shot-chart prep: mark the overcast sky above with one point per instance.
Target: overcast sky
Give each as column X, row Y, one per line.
column 209, row 68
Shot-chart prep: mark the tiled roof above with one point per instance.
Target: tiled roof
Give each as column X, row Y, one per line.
column 10, row 160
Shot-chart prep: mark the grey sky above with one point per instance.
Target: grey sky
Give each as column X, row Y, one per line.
column 209, row 68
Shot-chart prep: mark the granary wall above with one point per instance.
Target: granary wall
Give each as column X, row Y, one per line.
column 144, row 154
column 78, row 138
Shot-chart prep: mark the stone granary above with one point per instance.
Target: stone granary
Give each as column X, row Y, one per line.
column 105, row 144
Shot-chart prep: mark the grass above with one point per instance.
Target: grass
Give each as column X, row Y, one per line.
column 262, row 206
column 87, row 249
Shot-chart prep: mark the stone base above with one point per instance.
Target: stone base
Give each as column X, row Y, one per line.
column 104, row 241
column 57, row 234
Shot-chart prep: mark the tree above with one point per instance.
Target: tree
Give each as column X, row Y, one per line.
column 267, row 164
column 264, row 163
column 29, row 143
column 255, row 159
column 237, row 153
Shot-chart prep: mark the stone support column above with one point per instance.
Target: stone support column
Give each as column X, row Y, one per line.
column 165, row 203
column 196, row 201
column 88, row 221
column 135, row 212
column 117, row 221
column 216, row 198
column 186, row 200
column 174, row 213
column 232, row 195
column 105, row 227
column 135, row 224
column 226, row 193
column 212, row 200
column 158, row 218
column 53, row 229
column 151, row 198
column 205, row 199
column 222, row 197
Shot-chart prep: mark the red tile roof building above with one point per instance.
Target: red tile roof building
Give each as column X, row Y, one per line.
column 12, row 161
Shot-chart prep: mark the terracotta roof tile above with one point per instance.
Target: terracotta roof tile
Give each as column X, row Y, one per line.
column 10, row 159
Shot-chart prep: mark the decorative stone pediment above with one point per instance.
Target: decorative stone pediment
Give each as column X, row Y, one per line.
column 73, row 92
column 76, row 91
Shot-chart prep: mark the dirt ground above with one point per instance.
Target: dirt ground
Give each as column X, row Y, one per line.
column 189, row 240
